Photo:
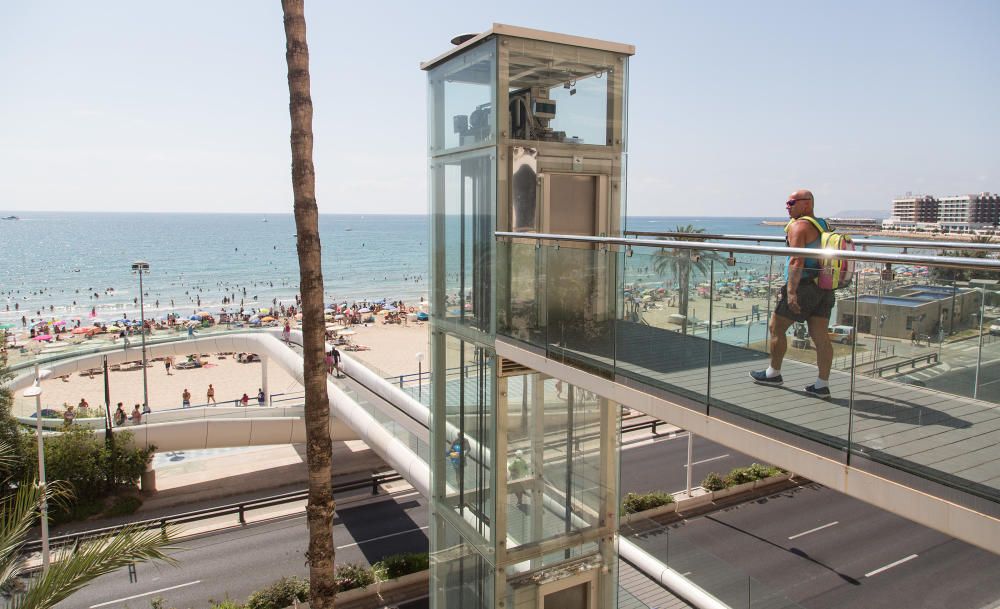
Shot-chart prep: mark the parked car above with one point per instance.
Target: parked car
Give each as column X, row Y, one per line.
column 995, row 330
column 841, row 334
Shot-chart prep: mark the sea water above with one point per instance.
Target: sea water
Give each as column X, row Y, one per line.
column 76, row 262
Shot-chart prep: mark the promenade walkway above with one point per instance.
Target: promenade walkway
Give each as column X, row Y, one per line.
column 938, row 436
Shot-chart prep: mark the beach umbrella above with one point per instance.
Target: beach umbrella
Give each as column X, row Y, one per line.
column 338, row 316
column 267, row 319
column 43, row 337
column 202, row 314
column 59, row 323
column 81, row 330
column 364, row 310
column 265, row 310
column 391, row 309
column 195, row 318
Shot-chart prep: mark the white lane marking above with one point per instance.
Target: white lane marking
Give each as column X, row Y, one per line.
column 889, row 566
column 707, row 460
column 128, row 598
column 989, row 382
column 357, row 543
column 829, row 524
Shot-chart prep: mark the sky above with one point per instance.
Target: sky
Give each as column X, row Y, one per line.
column 182, row 106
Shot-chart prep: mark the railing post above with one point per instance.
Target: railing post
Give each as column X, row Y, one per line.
column 654, row 426
column 243, row 519
column 375, row 480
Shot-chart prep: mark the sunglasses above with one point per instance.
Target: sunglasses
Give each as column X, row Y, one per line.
column 792, row 202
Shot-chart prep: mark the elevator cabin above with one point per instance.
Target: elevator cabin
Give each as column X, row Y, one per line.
column 526, row 134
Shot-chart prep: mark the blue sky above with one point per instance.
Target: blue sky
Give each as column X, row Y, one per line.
column 182, row 105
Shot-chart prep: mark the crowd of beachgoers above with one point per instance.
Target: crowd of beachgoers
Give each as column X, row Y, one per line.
column 38, row 332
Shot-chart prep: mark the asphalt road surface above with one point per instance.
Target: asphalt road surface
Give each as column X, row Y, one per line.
column 811, row 545
column 239, row 561
column 660, row 463
column 814, row 546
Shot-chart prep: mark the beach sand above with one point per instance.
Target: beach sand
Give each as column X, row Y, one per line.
column 192, row 475
column 392, row 352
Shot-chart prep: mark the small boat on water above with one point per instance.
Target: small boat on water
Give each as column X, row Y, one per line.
column 264, row 220
column 10, row 218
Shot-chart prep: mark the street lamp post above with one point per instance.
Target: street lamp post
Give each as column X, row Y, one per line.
column 420, row 376
column 35, row 391
column 141, row 267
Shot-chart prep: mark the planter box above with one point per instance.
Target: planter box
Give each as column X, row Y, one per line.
column 387, row 592
column 682, row 503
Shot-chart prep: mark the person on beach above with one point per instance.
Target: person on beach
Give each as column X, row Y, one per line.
column 119, row 417
column 802, row 300
column 69, row 415
column 328, row 360
column 245, row 400
column 336, row 360
column 166, row 364
column 83, row 404
column 185, row 398
column 136, row 415
column 261, row 398
column 286, row 332
column 210, row 395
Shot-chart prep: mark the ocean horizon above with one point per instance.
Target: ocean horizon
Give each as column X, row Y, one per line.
column 77, row 261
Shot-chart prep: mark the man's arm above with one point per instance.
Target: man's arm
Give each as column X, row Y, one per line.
column 799, row 235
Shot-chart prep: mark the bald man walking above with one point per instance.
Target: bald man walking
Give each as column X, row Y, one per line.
column 802, row 300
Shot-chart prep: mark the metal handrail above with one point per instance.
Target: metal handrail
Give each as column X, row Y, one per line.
column 903, row 243
column 736, row 248
column 240, row 508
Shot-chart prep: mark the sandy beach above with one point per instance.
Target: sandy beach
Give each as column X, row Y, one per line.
column 392, row 351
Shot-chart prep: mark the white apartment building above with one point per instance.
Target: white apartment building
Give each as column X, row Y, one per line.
column 955, row 213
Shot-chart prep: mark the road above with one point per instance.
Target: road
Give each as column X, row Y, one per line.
column 823, row 565
column 236, row 562
column 787, row 542
column 660, row 464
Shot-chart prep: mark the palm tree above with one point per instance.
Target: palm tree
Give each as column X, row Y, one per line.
column 678, row 263
column 319, row 448
column 69, row 570
column 944, row 274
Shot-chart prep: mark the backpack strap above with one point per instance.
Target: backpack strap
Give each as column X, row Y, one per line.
column 822, row 228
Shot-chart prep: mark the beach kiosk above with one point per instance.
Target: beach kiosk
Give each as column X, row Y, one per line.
column 526, row 135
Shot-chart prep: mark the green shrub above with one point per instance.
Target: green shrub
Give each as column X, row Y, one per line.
column 123, row 505
column 755, row 471
column 92, row 469
column 399, row 565
column 280, row 594
column 350, row 576
column 226, row 604
column 635, row 502
column 713, row 482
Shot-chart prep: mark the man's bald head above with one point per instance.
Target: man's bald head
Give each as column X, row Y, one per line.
column 803, row 203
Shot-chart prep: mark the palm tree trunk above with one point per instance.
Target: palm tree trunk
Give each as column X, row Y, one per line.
column 319, row 511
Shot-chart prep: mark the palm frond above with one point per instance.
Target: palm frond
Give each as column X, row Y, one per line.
column 72, row 570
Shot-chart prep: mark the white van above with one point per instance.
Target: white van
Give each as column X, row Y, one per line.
column 841, row 334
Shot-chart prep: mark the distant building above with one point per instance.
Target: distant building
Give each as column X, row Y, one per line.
column 913, row 209
column 926, row 309
column 955, row 213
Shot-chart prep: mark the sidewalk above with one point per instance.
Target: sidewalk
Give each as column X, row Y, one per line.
column 222, row 480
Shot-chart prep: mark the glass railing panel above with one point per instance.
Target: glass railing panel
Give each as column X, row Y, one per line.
column 920, row 404
column 578, row 305
column 713, row 574
column 521, row 292
column 662, row 336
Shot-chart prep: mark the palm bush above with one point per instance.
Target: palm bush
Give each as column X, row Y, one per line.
column 70, row 569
